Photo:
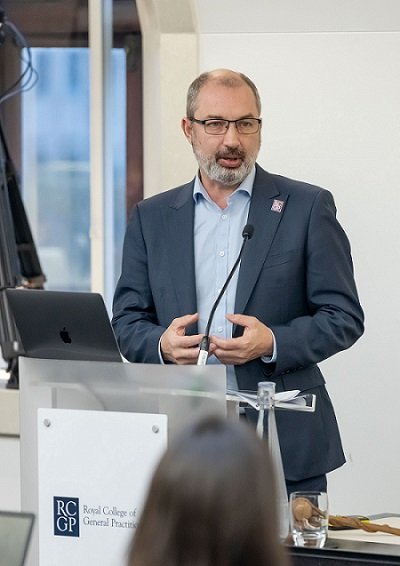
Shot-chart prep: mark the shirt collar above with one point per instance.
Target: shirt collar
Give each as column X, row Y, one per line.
column 246, row 186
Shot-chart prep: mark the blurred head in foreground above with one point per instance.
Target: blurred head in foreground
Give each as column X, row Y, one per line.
column 211, row 502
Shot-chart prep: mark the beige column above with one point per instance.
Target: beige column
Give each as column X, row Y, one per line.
column 101, row 191
column 170, row 62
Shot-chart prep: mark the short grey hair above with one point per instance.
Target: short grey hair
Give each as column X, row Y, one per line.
column 223, row 77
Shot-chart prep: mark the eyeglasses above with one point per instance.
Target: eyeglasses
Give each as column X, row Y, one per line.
column 217, row 127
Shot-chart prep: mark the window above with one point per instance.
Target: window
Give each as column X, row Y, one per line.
column 56, row 167
column 47, row 130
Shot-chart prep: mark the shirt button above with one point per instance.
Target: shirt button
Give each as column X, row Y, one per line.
column 222, row 253
column 223, row 216
column 220, row 329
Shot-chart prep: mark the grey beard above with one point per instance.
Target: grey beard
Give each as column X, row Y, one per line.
column 226, row 176
column 223, row 175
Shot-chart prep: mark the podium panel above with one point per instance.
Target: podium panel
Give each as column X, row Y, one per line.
column 182, row 393
column 94, row 470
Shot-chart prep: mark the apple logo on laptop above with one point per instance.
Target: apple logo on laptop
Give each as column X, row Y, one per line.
column 65, row 337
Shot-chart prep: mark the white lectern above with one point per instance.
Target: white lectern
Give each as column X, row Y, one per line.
column 91, row 434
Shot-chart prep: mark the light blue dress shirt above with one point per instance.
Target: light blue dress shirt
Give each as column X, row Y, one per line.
column 217, row 242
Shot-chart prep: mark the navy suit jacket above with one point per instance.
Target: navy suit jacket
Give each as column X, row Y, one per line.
column 296, row 276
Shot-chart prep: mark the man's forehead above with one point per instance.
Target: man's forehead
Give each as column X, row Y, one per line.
column 214, row 93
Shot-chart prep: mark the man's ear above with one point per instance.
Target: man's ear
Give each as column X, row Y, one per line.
column 187, row 126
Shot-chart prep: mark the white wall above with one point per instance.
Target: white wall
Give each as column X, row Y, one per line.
column 170, row 63
column 329, row 77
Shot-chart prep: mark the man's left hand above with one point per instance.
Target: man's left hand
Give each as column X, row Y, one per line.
column 256, row 341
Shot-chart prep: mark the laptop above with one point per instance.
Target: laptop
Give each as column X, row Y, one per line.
column 62, row 325
column 15, row 534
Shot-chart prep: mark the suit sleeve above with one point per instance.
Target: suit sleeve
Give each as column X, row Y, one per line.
column 334, row 319
column 134, row 320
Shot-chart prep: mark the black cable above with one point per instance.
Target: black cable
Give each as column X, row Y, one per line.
column 29, row 76
column 9, row 191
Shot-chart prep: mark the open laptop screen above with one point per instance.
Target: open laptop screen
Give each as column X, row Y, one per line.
column 15, row 534
column 63, row 325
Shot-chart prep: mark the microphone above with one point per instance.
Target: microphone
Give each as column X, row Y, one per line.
column 247, row 234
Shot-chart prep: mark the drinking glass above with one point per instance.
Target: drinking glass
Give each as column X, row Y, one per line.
column 308, row 515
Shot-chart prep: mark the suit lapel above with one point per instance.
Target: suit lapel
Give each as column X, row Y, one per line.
column 178, row 217
column 266, row 210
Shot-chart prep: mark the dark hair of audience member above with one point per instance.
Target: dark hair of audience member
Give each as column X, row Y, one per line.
column 211, row 502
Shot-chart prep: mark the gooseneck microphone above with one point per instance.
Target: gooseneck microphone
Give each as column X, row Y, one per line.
column 247, row 234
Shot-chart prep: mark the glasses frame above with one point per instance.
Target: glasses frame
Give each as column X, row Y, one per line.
column 227, row 122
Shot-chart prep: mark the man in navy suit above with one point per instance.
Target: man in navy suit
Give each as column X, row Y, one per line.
column 292, row 303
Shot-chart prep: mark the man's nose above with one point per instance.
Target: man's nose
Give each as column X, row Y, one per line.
column 231, row 136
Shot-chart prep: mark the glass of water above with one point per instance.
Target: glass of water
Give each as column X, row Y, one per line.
column 308, row 514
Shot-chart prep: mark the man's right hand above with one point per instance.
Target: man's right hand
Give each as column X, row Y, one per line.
column 175, row 346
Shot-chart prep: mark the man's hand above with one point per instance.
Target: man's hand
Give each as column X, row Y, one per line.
column 175, row 346
column 255, row 342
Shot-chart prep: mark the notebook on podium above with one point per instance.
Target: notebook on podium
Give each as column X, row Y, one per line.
column 63, row 325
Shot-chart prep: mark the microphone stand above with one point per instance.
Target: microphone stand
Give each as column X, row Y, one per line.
column 205, row 341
